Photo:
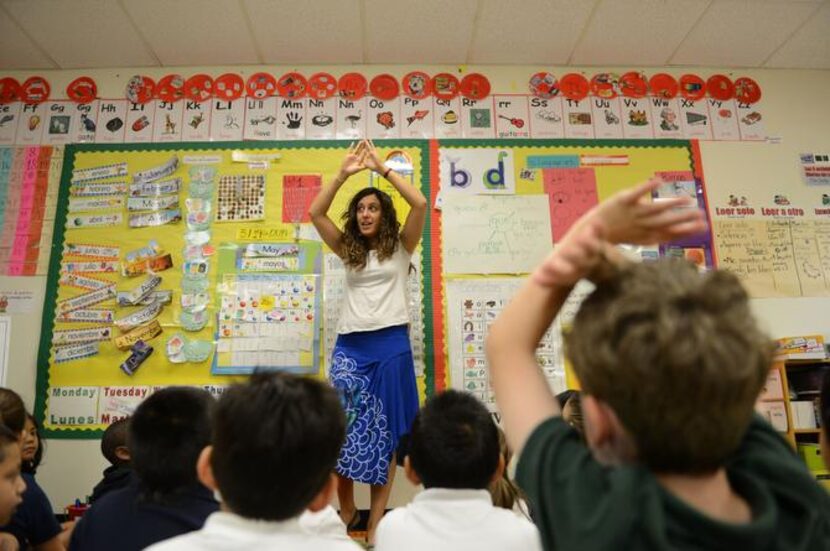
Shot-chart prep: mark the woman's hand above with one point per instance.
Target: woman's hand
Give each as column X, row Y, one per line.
column 372, row 159
column 354, row 161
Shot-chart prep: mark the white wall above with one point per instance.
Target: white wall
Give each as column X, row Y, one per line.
column 795, row 108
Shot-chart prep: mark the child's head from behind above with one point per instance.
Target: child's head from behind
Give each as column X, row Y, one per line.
column 167, row 433
column 11, row 483
column 12, row 410
column 825, row 418
column 671, row 363
column 503, row 491
column 454, row 444
column 114, row 442
column 276, row 440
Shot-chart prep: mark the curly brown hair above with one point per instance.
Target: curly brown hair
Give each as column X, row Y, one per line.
column 679, row 358
column 355, row 245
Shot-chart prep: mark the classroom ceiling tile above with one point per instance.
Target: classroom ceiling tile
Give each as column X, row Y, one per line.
column 636, row 32
column 17, row 51
column 194, row 32
column 287, row 31
column 741, row 34
column 809, row 48
column 534, row 31
column 82, row 33
column 422, row 32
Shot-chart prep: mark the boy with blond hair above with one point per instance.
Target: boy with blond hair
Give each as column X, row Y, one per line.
column 671, row 363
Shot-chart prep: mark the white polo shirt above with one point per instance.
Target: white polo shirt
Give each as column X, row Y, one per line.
column 325, row 522
column 455, row 520
column 227, row 531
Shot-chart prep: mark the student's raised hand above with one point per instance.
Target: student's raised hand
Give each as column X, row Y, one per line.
column 354, row 161
column 630, row 217
column 575, row 257
column 372, row 160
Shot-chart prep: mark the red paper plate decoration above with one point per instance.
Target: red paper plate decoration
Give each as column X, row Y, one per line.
column 352, row 86
column 261, row 85
column 444, row 86
column 417, row 85
column 170, row 88
column 292, row 85
column 720, row 87
column 747, row 90
column 543, row 85
column 475, row 86
column 228, row 87
column 605, row 85
column 322, row 85
column 199, row 88
column 35, row 90
column 692, row 87
column 574, row 86
column 663, row 85
column 140, row 89
column 633, row 85
column 82, row 90
column 385, row 87
column 9, row 90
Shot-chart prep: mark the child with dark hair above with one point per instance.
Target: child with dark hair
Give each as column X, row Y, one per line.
column 671, row 363
column 114, row 448
column 454, row 453
column 33, row 524
column 167, row 433
column 825, row 418
column 31, row 449
column 570, row 402
column 276, row 439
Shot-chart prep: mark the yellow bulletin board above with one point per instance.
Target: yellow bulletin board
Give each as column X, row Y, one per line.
column 75, row 399
column 553, row 175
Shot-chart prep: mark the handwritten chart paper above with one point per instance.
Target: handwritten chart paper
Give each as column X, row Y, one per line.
column 495, row 235
column 298, row 190
column 776, row 258
column 571, row 192
column 472, row 305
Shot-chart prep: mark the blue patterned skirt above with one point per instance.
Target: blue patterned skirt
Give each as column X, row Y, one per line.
column 374, row 375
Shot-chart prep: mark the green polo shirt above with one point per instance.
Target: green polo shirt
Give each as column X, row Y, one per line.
column 582, row 505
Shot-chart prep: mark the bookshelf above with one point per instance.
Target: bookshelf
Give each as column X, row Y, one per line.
column 775, row 402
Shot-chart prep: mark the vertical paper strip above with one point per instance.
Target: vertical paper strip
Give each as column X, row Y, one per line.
column 38, row 211
column 439, row 379
column 24, row 217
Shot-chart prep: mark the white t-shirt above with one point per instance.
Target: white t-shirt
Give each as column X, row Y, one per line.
column 325, row 522
column 227, row 531
column 457, row 520
column 376, row 296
